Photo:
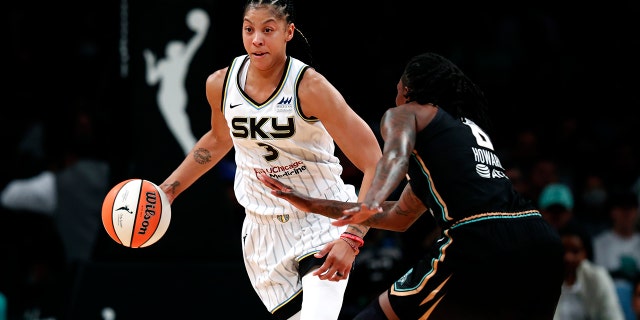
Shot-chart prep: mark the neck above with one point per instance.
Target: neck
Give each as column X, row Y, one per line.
column 262, row 70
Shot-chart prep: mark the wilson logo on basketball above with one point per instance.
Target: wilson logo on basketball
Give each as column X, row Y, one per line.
column 149, row 211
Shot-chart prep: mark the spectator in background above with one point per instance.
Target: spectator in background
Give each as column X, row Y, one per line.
column 68, row 193
column 543, row 172
column 593, row 195
column 618, row 248
column 588, row 291
column 556, row 204
column 71, row 191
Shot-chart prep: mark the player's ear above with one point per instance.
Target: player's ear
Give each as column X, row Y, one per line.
column 290, row 31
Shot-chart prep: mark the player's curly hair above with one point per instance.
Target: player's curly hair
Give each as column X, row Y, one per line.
column 431, row 78
column 283, row 9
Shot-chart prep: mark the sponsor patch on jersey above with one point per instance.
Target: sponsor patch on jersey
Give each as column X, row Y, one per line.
column 284, row 104
column 282, row 171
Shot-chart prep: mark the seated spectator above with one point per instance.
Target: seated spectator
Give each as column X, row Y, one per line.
column 592, row 205
column 70, row 190
column 588, row 291
column 66, row 199
column 618, row 248
column 556, row 204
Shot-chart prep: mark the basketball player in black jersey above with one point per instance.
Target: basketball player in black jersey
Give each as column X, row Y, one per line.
column 496, row 257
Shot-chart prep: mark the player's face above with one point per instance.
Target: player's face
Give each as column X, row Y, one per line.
column 265, row 37
column 402, row 91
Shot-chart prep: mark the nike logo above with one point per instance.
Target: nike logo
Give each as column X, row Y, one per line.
column 231, row 106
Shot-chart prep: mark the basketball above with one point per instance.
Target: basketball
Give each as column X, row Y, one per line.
column 136, row 213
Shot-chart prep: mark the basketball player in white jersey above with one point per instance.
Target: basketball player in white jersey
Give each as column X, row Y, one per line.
column 282, row 118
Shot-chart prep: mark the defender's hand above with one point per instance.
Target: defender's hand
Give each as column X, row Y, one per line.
column 357, row 214
column 286, row 192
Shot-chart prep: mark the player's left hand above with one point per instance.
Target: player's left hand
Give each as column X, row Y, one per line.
column 340, row 258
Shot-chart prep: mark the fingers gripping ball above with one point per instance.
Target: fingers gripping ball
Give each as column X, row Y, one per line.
column 136, row 213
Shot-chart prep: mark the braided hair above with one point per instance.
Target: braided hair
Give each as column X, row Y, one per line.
column 283, row 9
column 431, row 78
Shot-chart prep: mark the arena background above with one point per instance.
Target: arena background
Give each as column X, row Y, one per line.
column 538, row 62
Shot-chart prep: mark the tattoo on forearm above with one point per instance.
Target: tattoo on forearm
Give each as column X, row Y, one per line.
column 356, row 230
column 172, row 187
column 390, row 208
column 376, row 218
column 202, row 156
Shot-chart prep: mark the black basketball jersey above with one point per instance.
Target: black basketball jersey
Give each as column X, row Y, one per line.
column 456, row 173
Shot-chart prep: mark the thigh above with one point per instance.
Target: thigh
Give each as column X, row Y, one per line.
column 321, row 299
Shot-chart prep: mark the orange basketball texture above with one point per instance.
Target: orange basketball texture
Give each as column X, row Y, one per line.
column 136, row 213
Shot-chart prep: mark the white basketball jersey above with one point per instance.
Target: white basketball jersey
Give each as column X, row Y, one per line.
column 275, row 137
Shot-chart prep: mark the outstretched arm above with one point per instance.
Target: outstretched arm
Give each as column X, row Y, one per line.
column 395, row 215
column 398, row 128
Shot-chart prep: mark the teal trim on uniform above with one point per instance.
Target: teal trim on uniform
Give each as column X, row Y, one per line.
column 431, row 271
column 496, row 215
column 434, row 194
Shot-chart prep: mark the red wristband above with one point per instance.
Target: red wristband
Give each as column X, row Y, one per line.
column 352, row 244
column 353, row 237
